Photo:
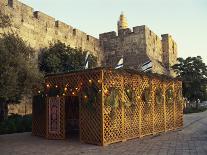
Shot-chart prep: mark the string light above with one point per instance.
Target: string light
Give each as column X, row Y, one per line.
column 63, row 94
column 65, row 88
column 56, row 86
column 73, row 93
column 76, row 88
column 99, row 81
column 39, row 91
column 90, row 81
column 48, row 85
column 85, row 97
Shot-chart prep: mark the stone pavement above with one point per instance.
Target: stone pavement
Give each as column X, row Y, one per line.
column 191, row 140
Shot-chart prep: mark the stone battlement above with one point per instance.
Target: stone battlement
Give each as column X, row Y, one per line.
column 34, row 26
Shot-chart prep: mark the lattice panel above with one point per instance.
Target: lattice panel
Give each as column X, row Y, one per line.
column 169, row 109
column 158, row 114
column 143, row 118
column 146, row 109
column 178, row 105
column 104, row 123
column 90, row 117
column 58, row 121
column 39, row 116
column 113, row 118
column 132, row 113
column 73, row 84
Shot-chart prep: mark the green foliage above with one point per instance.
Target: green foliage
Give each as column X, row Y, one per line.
column 16, row 123
column 112, row 99
column 193, row 72
column 61, row 58
column 159, row 96
column 18, row 70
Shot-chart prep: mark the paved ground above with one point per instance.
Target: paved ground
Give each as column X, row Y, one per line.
column 191, row 140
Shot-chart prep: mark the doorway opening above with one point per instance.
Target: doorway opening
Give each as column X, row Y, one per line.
column 72, row 117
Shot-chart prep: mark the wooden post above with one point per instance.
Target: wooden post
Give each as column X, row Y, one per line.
column 122, row 111
column 140, row 117
column 153, row 104
column 164, row 102
column 174, row 96
column 102, row 108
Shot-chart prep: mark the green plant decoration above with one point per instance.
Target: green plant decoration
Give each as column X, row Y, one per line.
column 179, row 95
column 146, row 95
column 130, row 96
column 89, row 96
column 158, row 96
column 112, row 99
column 169, row 95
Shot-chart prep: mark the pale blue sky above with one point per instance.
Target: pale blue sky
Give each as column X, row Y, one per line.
column 185, row 20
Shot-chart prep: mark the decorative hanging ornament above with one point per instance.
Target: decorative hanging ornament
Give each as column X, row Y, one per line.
column 169, row 95
column 146, row 95
column 159, row 96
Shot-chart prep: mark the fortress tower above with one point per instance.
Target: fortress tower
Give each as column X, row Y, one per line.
column 122, row 23
column 138, row 46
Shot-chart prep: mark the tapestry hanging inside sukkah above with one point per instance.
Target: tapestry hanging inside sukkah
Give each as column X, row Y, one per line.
column 54, row 115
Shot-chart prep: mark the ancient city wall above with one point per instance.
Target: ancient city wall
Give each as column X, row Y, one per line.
column 137, row 47
column 39, row 29
column 169, row 50
column 130, row 44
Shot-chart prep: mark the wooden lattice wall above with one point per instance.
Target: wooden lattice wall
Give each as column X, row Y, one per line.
column 141, row 118
column 77, row 84
column 39, row 116
column 116, row 105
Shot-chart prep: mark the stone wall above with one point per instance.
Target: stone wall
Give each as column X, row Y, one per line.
column 169, row 50
column 129, row 44
column 22, row 108
column 39, row 29
column 137, row 47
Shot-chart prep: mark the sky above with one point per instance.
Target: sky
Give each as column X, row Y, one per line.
column 185, row 20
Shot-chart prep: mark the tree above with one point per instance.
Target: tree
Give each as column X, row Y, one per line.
column 61, row 58
column 193, row 72
column 18, row 69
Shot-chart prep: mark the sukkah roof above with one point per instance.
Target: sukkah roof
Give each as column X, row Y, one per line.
column 120, row 70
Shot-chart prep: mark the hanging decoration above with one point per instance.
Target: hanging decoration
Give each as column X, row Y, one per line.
column 129, row 96
column 159, row 96
column 146, row 95
column 112, row 100
column 179, row 97
column 169, row 95
column 89, row 96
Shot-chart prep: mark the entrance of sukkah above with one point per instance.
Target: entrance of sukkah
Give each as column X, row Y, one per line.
column 72, row 117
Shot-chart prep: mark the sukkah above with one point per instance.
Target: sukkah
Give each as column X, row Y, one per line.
column 106, row 106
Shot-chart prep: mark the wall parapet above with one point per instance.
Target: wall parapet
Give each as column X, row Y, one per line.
column 24, row 11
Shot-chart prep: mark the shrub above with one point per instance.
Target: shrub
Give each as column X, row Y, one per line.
column 16, row 123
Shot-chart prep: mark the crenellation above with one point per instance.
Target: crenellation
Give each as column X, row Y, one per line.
column 139, row 29
column 111, row 34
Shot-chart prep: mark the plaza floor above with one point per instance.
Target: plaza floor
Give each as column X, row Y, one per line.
column 191, row 140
